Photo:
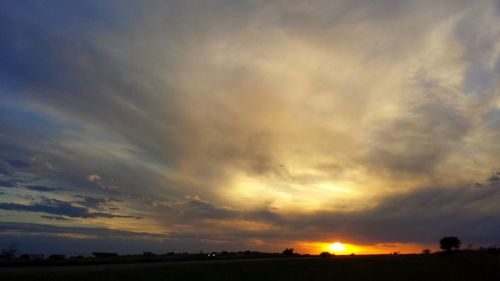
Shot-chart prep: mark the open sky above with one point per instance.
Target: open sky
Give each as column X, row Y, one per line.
column 162, row 126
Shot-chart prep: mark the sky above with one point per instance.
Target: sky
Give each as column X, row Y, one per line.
column 189, row 126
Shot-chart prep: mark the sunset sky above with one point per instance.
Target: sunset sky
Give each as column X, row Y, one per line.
column 161, row 126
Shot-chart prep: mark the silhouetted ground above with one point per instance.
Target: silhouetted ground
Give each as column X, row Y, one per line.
column 400, row 267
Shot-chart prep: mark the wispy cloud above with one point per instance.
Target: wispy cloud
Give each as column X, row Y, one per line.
column 241, row 119
column 57, row 207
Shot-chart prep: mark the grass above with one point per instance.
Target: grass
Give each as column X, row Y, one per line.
column 401, row 267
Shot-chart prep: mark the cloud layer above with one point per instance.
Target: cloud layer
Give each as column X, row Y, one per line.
column 252, row 124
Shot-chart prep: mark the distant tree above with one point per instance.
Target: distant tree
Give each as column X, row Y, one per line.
column 11, row 251
column 449, row 243
column 325, row 254
column 493, row 250
column 57, row 257
column 426, row 252
column 288, row 252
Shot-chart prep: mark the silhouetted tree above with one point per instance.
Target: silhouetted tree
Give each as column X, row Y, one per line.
column 57, row 257
column 325, row 254
column 449, row 243
column 10, row 252
column 426, row 252
column 288, row 252
column 493, row 250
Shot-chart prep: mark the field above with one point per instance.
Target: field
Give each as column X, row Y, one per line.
column 399, row 267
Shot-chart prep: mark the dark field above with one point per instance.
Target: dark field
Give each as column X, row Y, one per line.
column 400, row 267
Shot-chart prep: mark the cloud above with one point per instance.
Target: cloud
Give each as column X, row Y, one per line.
column 495, row 178
column 285, row 119
column 418, row 141
column 40, row 188
column 38, row 238
column 191, row 209
column 4, row 183
column 58, row 207
column 94, row 178
column 421, row 216
column 57, row 218
column 93, row 202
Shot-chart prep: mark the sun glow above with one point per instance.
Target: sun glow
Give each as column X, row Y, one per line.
column 342, row 248
column 337, row 247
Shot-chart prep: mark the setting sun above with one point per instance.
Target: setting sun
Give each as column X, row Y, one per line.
column 337, row 247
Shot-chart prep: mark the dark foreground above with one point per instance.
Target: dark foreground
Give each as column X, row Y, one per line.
column 401, row 267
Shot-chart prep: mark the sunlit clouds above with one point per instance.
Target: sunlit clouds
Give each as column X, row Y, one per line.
column 220, row 125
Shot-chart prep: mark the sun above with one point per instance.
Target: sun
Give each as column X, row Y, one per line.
column 337, row 247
